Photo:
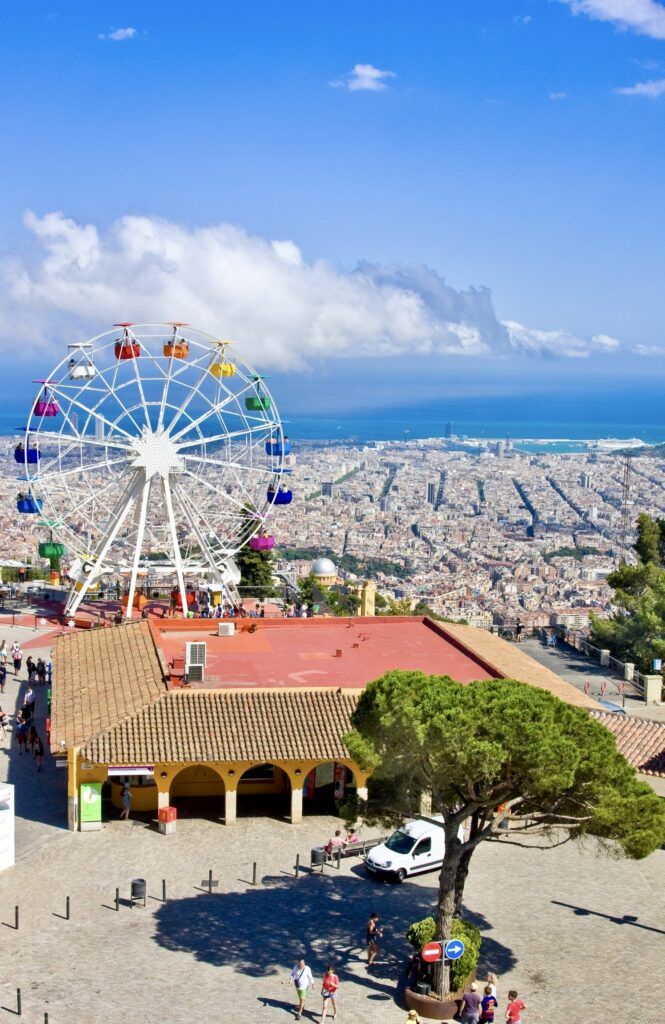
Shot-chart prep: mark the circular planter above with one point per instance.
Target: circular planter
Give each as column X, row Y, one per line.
column 432, row 1008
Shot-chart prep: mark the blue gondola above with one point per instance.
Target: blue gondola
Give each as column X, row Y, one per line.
column 276, row 448
column 27, row 505
column 279, row 497
column 32, row 455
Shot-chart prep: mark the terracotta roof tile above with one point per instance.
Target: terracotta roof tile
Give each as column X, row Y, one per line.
column 641, row 741
column 229, row 725
column 101, row 676
column 508, row 661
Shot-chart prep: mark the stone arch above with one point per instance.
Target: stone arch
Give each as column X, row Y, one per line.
column 198, row 791
column 326, row 783
column 264, row 790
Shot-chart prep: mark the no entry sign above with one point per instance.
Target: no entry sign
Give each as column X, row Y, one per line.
column 431, row 951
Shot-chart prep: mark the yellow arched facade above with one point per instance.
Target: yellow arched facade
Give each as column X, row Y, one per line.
column 219, row 779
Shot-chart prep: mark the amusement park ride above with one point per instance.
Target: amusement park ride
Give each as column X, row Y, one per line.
column 151, row 450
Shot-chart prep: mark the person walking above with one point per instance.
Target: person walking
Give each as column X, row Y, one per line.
column 302, row 978
column 126, row 797
column 41, row 671
column 3, row 677
column 21, row 733
column 492, row 981
column 374, row 936
column 38, row 752
column 471, row 1005
column 489, row 1006
column 514, row 1008
column 30, row 699
column 30, row 668
column 4, row 721
column 32, row 737
column 3, row 652
column 17, row 657
column 329, row 990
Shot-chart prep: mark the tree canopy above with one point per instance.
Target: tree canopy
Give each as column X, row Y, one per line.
column 636, row 630
column 477, row 753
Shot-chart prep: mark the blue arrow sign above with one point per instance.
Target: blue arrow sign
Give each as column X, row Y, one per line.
column 454, row 949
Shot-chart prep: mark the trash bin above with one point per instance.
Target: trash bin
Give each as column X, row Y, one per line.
column 167, row 817
column 422, row 988
column 139, row 887
column 316, row 857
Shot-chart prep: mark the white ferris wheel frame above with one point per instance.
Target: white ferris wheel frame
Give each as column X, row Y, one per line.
column 111, row 423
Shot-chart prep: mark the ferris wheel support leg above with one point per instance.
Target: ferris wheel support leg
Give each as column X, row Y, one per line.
column 140, row 531
column 117, row 519
column 177, row 560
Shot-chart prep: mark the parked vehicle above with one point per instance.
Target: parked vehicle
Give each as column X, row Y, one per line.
column 415, row 847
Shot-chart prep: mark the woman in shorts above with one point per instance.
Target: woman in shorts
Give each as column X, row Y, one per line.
column 329, row 993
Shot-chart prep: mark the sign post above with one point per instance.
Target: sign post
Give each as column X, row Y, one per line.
column 454, row 949
column 431, row 952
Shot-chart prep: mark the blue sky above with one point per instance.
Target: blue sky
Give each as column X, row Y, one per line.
column 486, row 140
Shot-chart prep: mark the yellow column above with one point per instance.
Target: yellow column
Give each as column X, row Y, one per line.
column 230, row 804
column 296, row 805
column 72, row 789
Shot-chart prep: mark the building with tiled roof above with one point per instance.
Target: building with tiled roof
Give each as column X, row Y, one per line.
column 266, row 713
column 642, row 743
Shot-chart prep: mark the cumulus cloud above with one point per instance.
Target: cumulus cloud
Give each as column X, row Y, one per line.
column 559, row 342
column 284, row 311
column 364, row 77
column 646, row 17
column 648, row 351
column 118, row 35
column 555, row 96
column 652, row 90
column 523, row 19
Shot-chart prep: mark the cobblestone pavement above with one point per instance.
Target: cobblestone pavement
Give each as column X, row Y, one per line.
column 571, row 930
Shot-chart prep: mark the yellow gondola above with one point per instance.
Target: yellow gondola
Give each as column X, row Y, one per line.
column 222, row 367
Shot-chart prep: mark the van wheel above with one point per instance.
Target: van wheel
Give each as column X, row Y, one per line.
column 401, row 875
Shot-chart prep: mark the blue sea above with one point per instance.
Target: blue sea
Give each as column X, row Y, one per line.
column 575, row 417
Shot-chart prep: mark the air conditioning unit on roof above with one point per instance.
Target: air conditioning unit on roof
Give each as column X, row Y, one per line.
column 226, row 628
column 195, row 661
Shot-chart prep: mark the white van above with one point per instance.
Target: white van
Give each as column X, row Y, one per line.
column 415, row 847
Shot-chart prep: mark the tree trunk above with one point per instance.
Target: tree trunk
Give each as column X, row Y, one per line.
column 460, row 879
column 446, row 909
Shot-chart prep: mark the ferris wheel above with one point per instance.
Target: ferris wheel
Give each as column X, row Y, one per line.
column 153, row 450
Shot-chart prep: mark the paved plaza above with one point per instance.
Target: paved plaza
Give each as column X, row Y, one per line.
column 581, row 936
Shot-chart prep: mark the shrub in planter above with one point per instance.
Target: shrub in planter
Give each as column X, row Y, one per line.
column 422, row 932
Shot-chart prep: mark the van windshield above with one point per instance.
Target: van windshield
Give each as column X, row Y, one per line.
column 399, row 842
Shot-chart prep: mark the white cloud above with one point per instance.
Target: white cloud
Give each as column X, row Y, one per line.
column 523, row 19
column 646, row 17
column 555, row 96
column 648, row 351
column 118, row 35
column 652, row 90
column 558, row 343
column 283, row 311
column 364, row 77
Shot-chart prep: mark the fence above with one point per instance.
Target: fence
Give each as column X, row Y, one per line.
column 626, row 671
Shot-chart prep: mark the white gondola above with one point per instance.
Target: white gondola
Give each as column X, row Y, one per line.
column 80, row 365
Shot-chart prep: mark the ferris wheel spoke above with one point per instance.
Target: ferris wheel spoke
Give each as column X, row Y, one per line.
column 215, row 409
column 79, row 439
column 95, row 495
column 196, row 390
column 79, row 405
column 78, row 470
column 191, row 513
column 222, row 495
column 115, row 395
column 263, row 429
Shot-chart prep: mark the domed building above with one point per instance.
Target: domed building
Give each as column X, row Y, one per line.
column 325, row 571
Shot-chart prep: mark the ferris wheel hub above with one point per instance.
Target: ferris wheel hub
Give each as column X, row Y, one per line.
column 156, row 453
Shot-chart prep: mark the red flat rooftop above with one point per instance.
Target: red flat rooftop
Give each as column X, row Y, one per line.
column 318, row 652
